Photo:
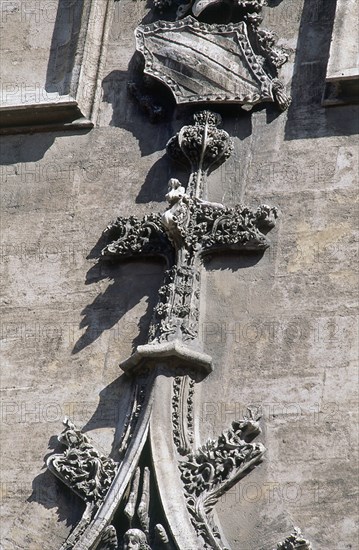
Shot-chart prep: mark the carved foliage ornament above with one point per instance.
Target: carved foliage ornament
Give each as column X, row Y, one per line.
column 207, row 228
column 203, row 146
column 213, row 469
column 295, row 541
column 88, row 473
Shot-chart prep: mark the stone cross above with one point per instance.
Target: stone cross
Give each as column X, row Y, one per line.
column 190, row 229
column 189, row 481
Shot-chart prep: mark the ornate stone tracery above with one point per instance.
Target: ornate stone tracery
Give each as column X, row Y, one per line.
column 190, row 228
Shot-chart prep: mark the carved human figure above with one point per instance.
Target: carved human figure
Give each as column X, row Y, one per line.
column 176, row 191
column 135, row 539
column 176, row 197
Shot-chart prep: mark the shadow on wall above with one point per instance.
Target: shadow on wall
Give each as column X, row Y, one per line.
column 154, row 137
column 17, row 149
column 155, row 186
column 63, row 46
column 112, row 410
column 48, row 491
column 132, row 281
column 232, row 261
column 127, row 113
column 307, row 118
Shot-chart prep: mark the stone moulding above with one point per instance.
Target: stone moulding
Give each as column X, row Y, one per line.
column 201, row 62
column 182, row 413
column 153, row 353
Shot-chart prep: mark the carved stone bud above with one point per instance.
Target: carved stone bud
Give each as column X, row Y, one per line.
column 203, row 145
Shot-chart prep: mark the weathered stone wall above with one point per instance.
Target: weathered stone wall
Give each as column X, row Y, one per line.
column 281, row 328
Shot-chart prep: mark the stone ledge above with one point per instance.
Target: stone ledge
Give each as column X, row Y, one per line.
column 37, row 117
column 184, row 356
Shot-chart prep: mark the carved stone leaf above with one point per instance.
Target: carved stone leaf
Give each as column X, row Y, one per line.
column 81, row 466
column 229, row 228
column 213, row 469
column 295, row 541
column 203, row 143
column 133, row 237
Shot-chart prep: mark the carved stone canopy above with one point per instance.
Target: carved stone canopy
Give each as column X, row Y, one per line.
column 200, row 62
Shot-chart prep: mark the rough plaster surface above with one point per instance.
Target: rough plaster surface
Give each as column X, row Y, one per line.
column 344, row 55
column 281, row 328
column 26, row 35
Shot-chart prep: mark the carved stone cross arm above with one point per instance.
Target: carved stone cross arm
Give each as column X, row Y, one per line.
column 131, row 237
